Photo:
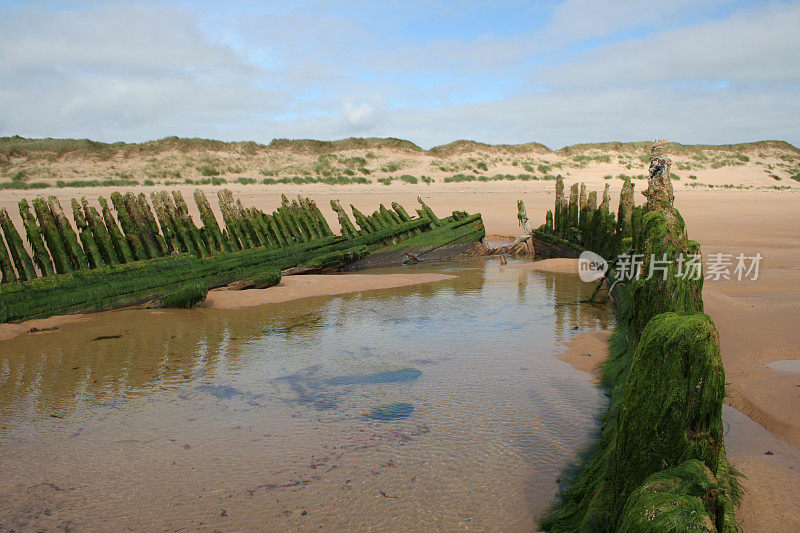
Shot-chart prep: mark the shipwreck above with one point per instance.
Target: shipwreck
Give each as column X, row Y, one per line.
column 159, row 256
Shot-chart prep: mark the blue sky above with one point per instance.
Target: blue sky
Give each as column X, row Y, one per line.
column 431, row 72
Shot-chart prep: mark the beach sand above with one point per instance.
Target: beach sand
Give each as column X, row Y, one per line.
column 296, row 287
column 757, row 320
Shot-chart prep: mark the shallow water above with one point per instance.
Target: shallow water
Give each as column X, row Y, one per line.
column 439, row 406
column 786, row 365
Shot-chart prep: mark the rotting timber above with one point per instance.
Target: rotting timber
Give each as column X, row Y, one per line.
column 160, row 257
column 660, row 463
column 579, row 223
column 575, row 225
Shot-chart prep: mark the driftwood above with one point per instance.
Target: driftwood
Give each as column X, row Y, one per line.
column 411, row 257
column 522, row 245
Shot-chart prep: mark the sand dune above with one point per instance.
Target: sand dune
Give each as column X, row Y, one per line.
column 391, row 161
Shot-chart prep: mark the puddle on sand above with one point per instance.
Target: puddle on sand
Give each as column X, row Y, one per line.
column 786, row 365
column 435, row 406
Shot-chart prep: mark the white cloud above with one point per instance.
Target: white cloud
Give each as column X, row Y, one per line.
column 363, row 117
column 125, row 72
column 583, row 20
column 562, row 118
column 752, row 46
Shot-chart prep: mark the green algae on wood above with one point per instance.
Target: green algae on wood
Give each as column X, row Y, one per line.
column 131, row 283
column 210, row 221
column 293, row 235
column 311, row 206
column 366, row 224
column 87, row 239
column 683, row 498
column 151, row 224
column 338, row 258
column 625, row 210
column 182, row 212
column 74, row 251
column 605, row 205
column 660, row 462
column 168, row 231
column 16, row 247
column 120, row 244
column 671, row 405
column 100, row 233
column 35, row 238
column 53, row 238
column 178, row 224
column 275, row 230
column 6, row 268
column 184, row 297
column 347, row 227
column 559, row 215
column 129, row 228
column 573, row 211
column 429, row 214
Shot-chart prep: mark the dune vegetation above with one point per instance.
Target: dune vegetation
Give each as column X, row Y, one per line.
column 40, row 163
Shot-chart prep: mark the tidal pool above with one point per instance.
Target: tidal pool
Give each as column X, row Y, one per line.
column 438, row 406
column 786, row 365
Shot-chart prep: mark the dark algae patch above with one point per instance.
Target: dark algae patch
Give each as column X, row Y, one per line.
column 310, row 390
column 391, row 411
column 107, row 337
column 315, row 391
column 392, row 376
column 223, row 392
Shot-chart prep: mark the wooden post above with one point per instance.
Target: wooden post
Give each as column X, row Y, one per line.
column 40, row 255
column 121, row 246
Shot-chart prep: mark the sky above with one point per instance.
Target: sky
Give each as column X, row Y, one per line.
column 431, row 72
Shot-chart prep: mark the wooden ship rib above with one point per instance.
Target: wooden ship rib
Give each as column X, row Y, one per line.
column 136, row 253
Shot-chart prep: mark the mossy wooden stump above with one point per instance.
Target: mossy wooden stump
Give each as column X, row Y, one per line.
column 660, row 464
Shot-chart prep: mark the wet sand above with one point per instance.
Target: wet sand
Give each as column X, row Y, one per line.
column 557, row 265
column 40, row 326
column 587, row 351
column 290, row 288
column 306, row 286
column 757, row 323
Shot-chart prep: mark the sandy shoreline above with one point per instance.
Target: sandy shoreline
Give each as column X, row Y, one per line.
column 40, row 325
column 306, row 286
column 587, row 351
column 290, row 288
